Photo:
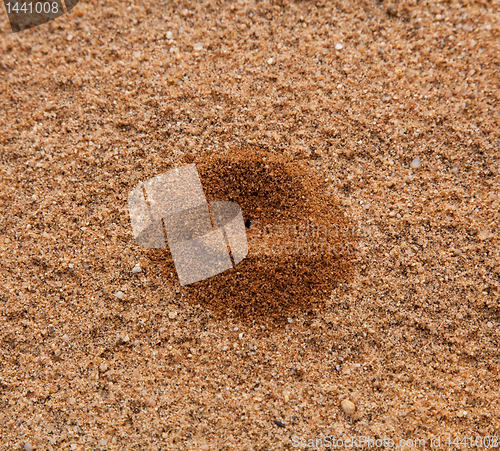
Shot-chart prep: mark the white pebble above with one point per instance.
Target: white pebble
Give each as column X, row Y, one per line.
column 490, row 324
column 28, row 447
column 169, row 35
column 455, row 170
column 225, row 348
column 348, row 406
column 339, row 46
column 172, row 314
column 136, row 269
column 119, row 295
column 270, row 60
column 198, row 46
column 290, row 320
column 102, row 442
column 416, row 163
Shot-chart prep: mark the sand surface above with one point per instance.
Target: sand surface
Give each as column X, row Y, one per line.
column 302, row 112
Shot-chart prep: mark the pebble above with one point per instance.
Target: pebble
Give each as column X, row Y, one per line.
column 270, row 60
column 339, row 46
column 136, row 269
column 28, row 447
column 483, row 235
column 172, row 314
column 119, row 295
column 290, row 320
column 348, row 407
column 416, row 163
column 455, row 170
column 102, row 442
column 103, row 367
column 490, row 324
column 169, row 35
column 198, row 46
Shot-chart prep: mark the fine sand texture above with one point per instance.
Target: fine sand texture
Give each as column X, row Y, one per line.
column 361, row 141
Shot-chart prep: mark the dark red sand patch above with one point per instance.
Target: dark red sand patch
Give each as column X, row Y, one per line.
column 300, row 241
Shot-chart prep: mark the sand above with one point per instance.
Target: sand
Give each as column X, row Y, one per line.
column 399, row 340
